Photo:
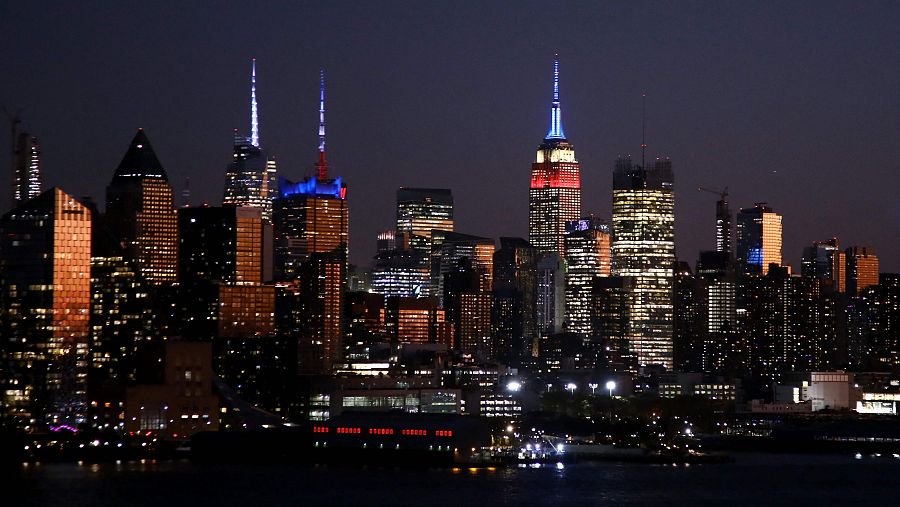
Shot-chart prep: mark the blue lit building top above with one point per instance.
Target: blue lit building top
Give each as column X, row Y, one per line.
column 314, row 187
column 556, row 127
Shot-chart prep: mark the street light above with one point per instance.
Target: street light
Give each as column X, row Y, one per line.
column 593, row 386
column 514, row 386
column 610, row 385
column 571, row 388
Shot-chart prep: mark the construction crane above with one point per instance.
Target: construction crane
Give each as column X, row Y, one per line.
column 723, row 194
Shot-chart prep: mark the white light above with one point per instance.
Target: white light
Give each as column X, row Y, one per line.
column 610, row 385
column 570, row 386
column 559, row 466
column 514, row 386
column 509, row 429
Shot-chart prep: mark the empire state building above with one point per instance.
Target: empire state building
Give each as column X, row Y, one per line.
column 555, row 194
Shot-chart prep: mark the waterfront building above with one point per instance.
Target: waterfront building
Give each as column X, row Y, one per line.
column 587, row 254
column 140, row 212
column 45, row 261
column 758, row 239
column 251, row 179
column 554, row 197
column 643, row 249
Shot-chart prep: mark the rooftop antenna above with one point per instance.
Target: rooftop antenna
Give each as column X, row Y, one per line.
column 643, row 127
column 254, row 113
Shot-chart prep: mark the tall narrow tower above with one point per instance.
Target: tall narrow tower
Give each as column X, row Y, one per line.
column 311, row 229
column 26, row 164
column 555, row 194
column 251, row 180
column 643, row 249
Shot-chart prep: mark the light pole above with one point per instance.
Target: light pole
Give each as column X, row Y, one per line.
column 571, row 388
column 610, row 385
column 593, row 386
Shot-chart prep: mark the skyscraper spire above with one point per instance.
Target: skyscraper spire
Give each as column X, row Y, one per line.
column 254, row 113
column 643, row 127
column 322, row 166
column 556, row 127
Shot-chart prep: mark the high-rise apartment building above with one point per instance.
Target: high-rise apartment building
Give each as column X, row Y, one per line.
column 26, row 164
column 45, row 261
column 551, row 295
column 554, row 197
column 468, row 307
column 862, row 269
column 587, row 247
column 251, row 179
column 643, row 249
column 140, row 211
column 758, row 239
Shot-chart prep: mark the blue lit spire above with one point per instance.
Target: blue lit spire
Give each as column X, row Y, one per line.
column 322, row 165
column 322, row 111
column 254, row 113
column 556, row 127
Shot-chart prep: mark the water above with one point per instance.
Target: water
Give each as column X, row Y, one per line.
column 754, row 479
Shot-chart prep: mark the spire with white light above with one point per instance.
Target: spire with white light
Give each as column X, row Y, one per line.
column 556, row 127
column 254, row 113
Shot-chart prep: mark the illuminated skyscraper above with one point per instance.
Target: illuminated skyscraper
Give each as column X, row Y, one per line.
column 400, row 272
column 862, row 269
column 422, row 210
column 587, row 257
column 643, row 248
column 758, row 239
column 555, row 194
column 46, row 284
column 26, row 164
column 825, row 260
column 251, row 179
column 221, row 262
column 140, row 211
column 468, row 308
column 551, row 294
column 311, row 231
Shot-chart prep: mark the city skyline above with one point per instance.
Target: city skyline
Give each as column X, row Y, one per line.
column 784, row 157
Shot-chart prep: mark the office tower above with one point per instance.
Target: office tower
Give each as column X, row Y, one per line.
column 551, row 298
column 221, row 269
column 45, row 261
column 643, row 248
column 825, row 260
column 450, row 247
column 513, row 322
column 758, row 239
column 140, row 212
column 554, row 197
column 862, row 269
column 416, row 320
column 311, row 215
column 468, row 307
column 422, row 210
column 311, row 232
column 722, row 349
column 610, row 318
column 251, row 179
column 122, row 325
column 689, row 325
column 26, row 164
column 723, row 220
column 587, row 247
column 400, row 272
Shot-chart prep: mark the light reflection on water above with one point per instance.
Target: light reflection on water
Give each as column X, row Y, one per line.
column 754, row 479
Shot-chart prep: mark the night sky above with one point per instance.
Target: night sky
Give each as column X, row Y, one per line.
column 792, row 103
